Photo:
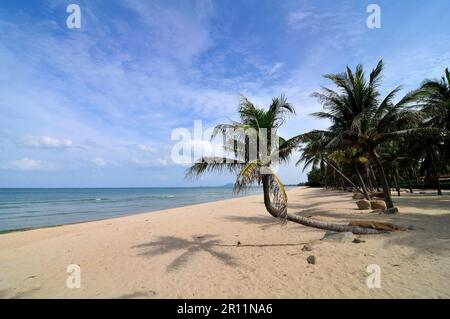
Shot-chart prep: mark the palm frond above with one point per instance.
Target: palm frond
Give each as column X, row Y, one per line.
column 213, row 164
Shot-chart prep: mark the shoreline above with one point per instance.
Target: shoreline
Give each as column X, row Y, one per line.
column 24, row 229
column 2, row 232
column 233, row 249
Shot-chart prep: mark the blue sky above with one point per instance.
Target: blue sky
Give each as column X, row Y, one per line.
column 95, row 107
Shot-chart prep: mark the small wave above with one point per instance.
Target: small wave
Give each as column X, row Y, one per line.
column 40, row 215
column 51, row 201
column 145, row 197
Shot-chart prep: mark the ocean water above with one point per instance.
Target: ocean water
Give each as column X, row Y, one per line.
column 39, row 207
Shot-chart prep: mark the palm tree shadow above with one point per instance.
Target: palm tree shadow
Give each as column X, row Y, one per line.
column 9, row 294
column 166, row 244
column 432, row 235
column 303, row 206
column 265, row 221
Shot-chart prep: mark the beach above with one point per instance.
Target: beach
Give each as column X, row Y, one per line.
column 234, row 249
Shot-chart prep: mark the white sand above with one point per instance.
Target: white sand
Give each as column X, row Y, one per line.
column 191, row 252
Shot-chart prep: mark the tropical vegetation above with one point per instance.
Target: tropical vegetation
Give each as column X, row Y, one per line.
column 375, row 142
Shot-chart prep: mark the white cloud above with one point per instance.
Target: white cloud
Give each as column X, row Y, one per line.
column 46, row 142
column 162, row 161
column 188, row 151
column 143, row 163
column 100, row 162
column 338, row 22
column 26, row 164
column 274, row 70
column 146, row 148
column 172, row 26
column 204, row 147
column 298, row 20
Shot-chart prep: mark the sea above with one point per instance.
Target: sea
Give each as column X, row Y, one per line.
column 25, row 208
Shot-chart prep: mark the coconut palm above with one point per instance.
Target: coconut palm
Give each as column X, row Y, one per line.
column 434, row 96
column 255, row 130
column 362, row 119
column 434, row 99
column 315, row 154
column 429, row 147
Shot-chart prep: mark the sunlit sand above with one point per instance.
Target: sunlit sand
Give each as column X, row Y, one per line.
column 234, row 249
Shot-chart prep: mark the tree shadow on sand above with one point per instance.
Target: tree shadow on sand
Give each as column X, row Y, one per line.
column 10, row 294
column 320, row 193
column 432, row 234
column 265, row 221
column 206, row 243
column 191, row 247
column 304, row 206
column 427, row 201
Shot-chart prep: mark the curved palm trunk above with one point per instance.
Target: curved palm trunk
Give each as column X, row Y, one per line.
column 308, row 221
column 383, row 180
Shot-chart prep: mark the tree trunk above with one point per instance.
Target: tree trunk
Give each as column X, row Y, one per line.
column 416, row 177
column 428, row 179
column 397, row 186
column 433, row 160
column 363, row 185
column 409, row 182
column 346, row 178
column 374, row 178
column 369, row 180
column 344, row 187
column 383, row 180
column 438, row 183
column 331, row 226
column 308, row 221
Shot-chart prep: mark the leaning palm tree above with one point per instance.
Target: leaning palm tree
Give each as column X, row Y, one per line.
column 361, row 119
column 253, row 149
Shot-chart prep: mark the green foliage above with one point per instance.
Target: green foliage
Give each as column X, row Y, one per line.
column 315, row 178
column 252, row 120
column 373, row 134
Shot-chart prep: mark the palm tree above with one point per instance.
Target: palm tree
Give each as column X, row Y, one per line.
column 255, row 130
column 434, row 99
column 314, row 154
column 429, row 147
column 361, row 119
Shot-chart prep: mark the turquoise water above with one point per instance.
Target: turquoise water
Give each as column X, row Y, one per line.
column 39, row 207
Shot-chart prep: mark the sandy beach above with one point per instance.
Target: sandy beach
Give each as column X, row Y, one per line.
column 234, row 249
